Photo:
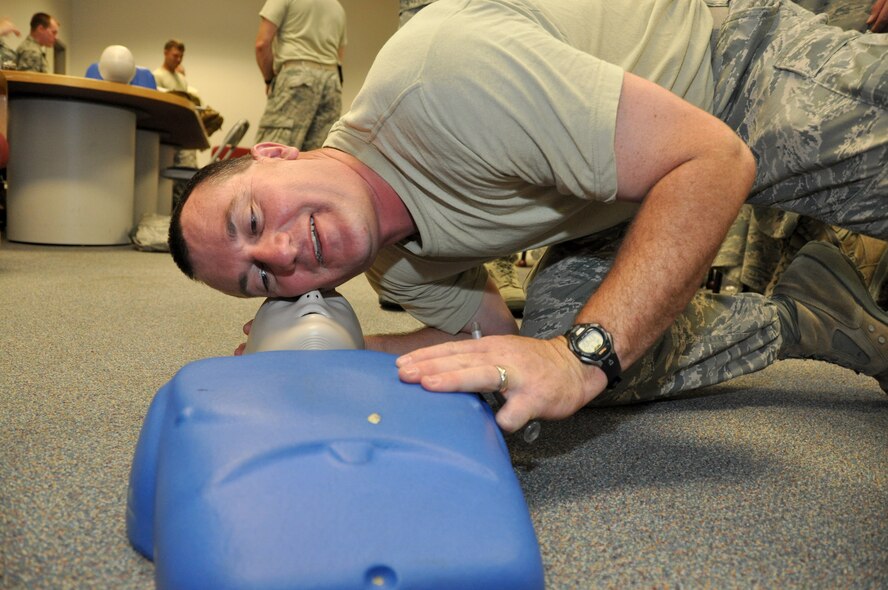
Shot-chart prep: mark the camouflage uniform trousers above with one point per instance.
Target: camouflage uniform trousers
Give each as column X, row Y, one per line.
column 409, row 8
column 304, row 102
column 845, row 14
column 762, row 241
column 810, row 101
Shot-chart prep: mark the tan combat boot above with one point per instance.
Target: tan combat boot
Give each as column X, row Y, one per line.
column 828, row 314
column 505, row 275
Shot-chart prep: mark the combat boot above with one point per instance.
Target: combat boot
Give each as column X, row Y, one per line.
column 827, row 313
column 879, row 285
column 505, row 275
column 865, row 252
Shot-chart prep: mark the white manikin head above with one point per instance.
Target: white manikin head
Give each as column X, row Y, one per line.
column 314, row 321
column 117, row 64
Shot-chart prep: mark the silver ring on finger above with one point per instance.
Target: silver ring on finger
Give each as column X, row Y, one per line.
column 504, row 380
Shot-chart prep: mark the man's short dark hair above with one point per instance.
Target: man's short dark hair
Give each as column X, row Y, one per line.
column 40, row 19
column 212, row 174
column 174, row 43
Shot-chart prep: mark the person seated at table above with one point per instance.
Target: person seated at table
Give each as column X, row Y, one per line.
column 31, row 53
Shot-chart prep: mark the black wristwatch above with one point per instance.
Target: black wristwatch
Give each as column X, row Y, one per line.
column 593, row 345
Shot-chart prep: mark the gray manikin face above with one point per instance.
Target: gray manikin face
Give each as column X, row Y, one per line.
column 313, row 321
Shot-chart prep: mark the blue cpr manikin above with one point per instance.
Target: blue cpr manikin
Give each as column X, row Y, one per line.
column 319, row 468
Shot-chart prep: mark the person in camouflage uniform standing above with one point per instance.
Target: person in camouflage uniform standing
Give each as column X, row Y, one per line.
column 31, row 53
column 298, row 48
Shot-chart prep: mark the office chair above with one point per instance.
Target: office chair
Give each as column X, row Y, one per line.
column 143, row 76
column 225, row 151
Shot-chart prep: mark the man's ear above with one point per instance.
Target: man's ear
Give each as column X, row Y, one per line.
column 273, row 150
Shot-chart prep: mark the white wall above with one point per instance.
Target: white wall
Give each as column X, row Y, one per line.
column 218, row 36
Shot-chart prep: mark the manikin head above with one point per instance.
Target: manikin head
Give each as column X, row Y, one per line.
column 117, row 64
column 314, row 321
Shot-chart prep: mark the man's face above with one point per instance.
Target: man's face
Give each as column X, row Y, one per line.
column 46, row 36
column 172, row 57
column 281, row 228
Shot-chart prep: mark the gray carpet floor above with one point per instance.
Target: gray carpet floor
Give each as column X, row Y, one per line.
column 775, row 480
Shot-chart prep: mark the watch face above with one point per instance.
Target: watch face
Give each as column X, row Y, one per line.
column 591, row 342
column 593, row 345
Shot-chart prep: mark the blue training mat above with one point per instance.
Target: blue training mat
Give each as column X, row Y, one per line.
column 320, row 469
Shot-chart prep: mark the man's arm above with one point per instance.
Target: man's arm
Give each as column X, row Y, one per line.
column 264, row 52
column 692, row 174
column 878, row 18
column 7, row 27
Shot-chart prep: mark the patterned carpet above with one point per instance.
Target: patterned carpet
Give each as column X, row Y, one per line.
column 778, row 481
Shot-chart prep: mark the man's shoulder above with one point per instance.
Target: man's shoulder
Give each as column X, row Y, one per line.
column 29, row 57
column 438, row 292
column 28, row 45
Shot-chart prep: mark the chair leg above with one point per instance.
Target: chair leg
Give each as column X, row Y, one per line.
column 522, row 259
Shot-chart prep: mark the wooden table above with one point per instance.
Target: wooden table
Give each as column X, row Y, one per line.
column 84, row 156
